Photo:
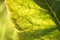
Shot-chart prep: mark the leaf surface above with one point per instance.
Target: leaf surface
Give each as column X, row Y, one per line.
column 34, row 17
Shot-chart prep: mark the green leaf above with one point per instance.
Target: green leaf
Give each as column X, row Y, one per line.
column 53, row 7
column 35, row 19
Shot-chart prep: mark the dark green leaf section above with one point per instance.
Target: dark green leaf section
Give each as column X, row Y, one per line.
column 36, row 34
column 54, row 8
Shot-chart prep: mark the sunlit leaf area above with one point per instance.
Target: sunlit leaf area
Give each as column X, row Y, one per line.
column 29, row 19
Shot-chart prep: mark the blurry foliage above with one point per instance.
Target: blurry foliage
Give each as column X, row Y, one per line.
column 34, row 20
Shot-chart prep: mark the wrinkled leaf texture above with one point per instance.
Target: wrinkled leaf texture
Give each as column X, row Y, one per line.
column 34, row 12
